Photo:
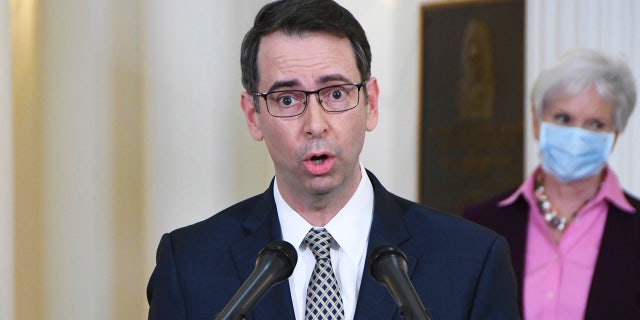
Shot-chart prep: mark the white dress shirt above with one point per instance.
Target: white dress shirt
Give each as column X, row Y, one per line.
column 350, row 231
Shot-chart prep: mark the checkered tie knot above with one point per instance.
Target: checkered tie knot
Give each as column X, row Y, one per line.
column 323, row 294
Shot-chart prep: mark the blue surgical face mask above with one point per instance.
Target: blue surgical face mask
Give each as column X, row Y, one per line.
column 571, row 153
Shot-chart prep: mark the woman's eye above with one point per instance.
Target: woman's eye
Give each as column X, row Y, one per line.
column 562, row 118
column 596, row 125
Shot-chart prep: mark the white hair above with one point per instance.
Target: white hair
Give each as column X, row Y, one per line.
column 581, row 70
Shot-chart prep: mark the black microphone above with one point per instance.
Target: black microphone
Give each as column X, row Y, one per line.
column 388, row 265
column 275, row 263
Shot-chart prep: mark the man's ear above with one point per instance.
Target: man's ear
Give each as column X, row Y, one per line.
column 372, row 103
column 251, row 116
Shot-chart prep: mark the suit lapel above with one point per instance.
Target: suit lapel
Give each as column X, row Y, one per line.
column 263, row 227
column 387, row 227
column 374, row 300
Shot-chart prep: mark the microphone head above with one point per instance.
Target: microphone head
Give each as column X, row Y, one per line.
column 383, row 257
column 284, row 252
column 388, row 266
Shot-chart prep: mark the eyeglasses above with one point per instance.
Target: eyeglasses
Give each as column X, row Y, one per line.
column 333, row 99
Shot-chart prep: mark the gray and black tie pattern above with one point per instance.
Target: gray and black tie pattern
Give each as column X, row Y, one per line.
column 323, row 293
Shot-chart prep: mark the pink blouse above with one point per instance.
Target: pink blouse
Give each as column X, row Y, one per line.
column 557, row 277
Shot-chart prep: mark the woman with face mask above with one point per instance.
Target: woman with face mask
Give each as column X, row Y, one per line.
column 574, row 233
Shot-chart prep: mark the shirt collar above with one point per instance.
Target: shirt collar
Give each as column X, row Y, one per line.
column 347, row 227
column 610, row 191
column 525, row 190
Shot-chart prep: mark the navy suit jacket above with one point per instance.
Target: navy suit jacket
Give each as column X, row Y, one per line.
column 615, row 286
column 459, row 269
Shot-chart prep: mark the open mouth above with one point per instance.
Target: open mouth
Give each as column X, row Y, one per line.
column 320, row 163
column 319, row 159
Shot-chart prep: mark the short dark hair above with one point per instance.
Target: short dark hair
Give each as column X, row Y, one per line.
column 295, row 17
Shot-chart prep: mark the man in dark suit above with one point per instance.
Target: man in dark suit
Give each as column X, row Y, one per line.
column 311, row 98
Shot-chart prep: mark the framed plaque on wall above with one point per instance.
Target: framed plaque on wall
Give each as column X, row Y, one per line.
column 472, row 112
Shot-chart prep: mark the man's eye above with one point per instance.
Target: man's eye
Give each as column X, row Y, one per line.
column 337, row 94
column 286, row 100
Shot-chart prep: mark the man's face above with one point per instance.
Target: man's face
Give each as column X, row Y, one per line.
column 316, row 152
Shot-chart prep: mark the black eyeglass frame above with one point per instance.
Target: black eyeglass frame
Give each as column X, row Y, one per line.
column 264, row 95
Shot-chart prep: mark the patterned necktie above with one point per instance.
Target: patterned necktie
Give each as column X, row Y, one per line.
column 323, row 293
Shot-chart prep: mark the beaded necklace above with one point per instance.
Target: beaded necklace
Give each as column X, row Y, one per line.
column 550, row 215
column 548, row 212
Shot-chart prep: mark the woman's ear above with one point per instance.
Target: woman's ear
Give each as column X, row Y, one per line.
column 616, row 134
column 536, row 123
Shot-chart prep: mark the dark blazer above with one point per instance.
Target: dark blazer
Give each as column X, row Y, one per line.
column 615, row 287
column 459, row 269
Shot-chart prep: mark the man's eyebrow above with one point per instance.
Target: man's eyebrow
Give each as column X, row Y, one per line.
column 284, row 84
column 333, row 77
